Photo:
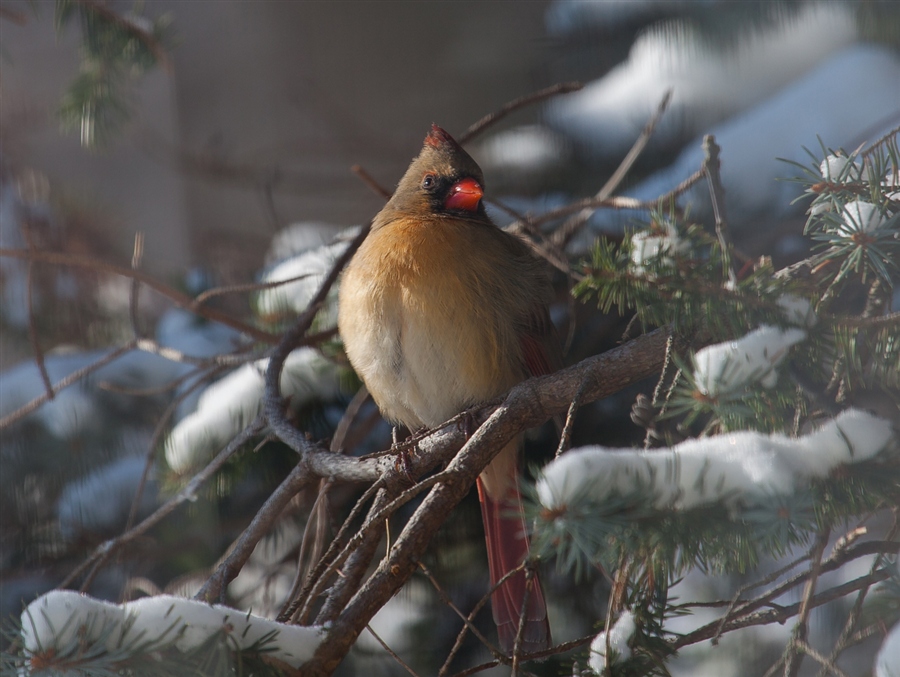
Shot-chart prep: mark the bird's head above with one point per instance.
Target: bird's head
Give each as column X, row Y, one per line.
column 442, row 180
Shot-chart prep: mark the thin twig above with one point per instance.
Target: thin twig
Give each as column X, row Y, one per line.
column 33, row 337
column 240, row 551
column 514, row 105
column 358, row 561
column 187, row 494
column 158, row 431
column 136, row 255
column 179, row 299
column 391, row 652
column 203, row 297
column 374, row 521
column 537, row 655
column 293, row 605
column 828, row 666
column 717, row 197
column 779, row 614
column 775, row 575
column 853, row 617
column 302, row 569
column 801, row 629
column 350, row 414
column 875, row 144
column 564, row 233
column 468, row 621
column 520, row 630
column 65, row 382
column 370, row 182
column 566, row 435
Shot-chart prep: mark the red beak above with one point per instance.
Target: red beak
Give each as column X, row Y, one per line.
column 464, row 195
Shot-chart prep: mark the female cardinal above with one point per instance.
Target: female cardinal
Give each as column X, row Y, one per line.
column 441, row 310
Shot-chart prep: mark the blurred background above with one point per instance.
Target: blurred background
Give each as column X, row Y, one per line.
column 235, row 155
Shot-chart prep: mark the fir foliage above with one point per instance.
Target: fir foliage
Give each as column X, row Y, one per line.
column 116, row 50
column 674, row 272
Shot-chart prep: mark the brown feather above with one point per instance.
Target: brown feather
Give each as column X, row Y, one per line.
column 440, row 310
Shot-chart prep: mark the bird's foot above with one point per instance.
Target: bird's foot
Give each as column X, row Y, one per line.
column 403, row 457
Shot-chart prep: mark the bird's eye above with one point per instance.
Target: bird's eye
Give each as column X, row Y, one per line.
column 429, row 182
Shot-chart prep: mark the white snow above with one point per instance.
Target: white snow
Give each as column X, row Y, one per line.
column 522, row 150
column 859, row 216
column 619, row 635
column 54, row 619
column 307, row 251
column 795, row 117
column 709, row 84
column 57, row 618
column 888, row 662
column 293, row 297
column 729, row 367
column 162, row 618
column 743, row 467
column 232, row 402
column 299, row 237
column 655, row 242
column 843, row 169
column 797, row 310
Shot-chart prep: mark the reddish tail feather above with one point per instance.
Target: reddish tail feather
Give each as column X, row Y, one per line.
column 507, row 547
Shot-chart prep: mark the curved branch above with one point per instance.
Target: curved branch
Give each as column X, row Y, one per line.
column 527, row 405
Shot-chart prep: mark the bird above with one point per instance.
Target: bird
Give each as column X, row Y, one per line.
column 440, row 310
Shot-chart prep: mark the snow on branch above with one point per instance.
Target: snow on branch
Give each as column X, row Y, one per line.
column 616, row 640
column 63, row 618
column 227, row 405
column 306, row 270
column 728, row 367
column 736, row 468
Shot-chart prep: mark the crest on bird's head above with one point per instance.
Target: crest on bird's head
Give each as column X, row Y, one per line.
column 442, row 178
column 439, row 137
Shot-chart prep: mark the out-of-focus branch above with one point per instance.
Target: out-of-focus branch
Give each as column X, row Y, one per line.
column 565, row 232
column 272, row 401
column 514, row 105
column 71, row 379
column 179, row 299
column 782, row 613
column 188, row 493
column 231, row 565
column 717, row 198
column 148, row 39
column 744, row 615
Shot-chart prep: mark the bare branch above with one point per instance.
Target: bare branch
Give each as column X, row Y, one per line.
column 527, row 405
column 370, row 182
column 801, row 629
column 179, row 299
column 71, row 379
column 717, row 197
column 188, row 493
column 565, row 233
column 240, row 551
column 514, row 105
column 272, row 401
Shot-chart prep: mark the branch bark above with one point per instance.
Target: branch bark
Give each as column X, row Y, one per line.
column 527, row 405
